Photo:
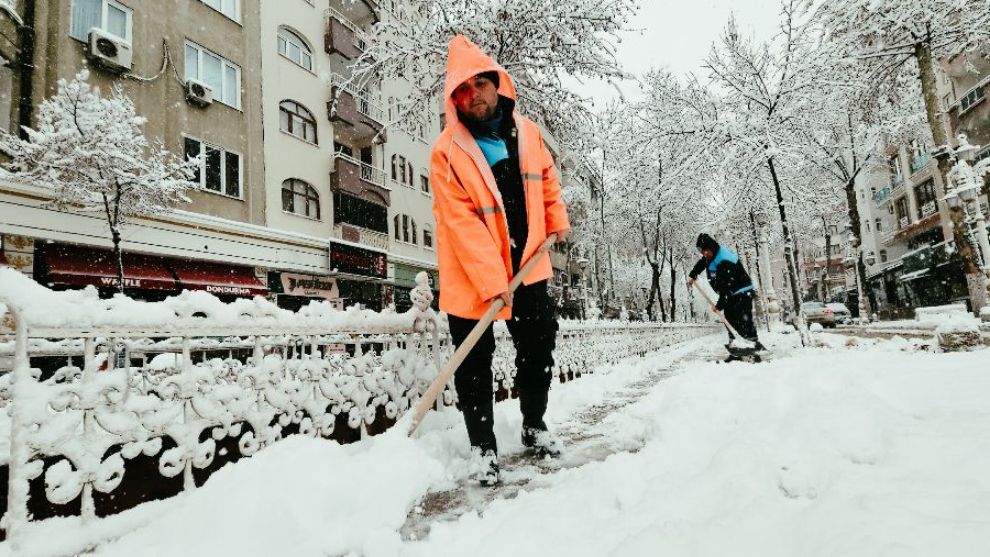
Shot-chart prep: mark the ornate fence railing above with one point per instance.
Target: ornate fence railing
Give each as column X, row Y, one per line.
column 114, row 410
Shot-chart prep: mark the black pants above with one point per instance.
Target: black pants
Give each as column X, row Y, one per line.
column 739, row 312
column 534, row 333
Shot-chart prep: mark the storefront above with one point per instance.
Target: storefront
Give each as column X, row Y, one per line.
column 360, row 274
column 404, row 280
column 292, row 291
column 932, row 276
column 146, row 277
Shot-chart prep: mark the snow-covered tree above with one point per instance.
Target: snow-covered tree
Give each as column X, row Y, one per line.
column 765, row 86
column 538, row 42
column 91, row 154
column 899, row 44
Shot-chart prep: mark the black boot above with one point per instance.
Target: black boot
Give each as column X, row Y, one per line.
column 489, row 474
column 541, row 441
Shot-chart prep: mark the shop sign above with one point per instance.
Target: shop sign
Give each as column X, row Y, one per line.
column 350, row 259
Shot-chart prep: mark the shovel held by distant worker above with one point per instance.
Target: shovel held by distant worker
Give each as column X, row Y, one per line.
column 430, row 397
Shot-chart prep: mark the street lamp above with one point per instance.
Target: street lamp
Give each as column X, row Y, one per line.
column 762, row 220
column 965, row 182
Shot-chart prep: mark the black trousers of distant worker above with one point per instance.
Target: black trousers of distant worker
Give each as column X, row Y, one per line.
column 533, row 328
column 739, row 313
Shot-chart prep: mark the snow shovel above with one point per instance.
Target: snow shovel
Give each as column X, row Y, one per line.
column 455, row 361
column 735, row 333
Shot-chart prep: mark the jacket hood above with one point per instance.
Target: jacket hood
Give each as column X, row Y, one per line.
column 464, row 61
column 707, row 242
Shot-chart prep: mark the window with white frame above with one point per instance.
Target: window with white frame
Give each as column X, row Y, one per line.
column 424, row 183
column 427, row 236
column 219, row 169
column 297, row 120
column 295, row 48
column 110, row 16
column 229, row 8
column 405, row 229
column 300, row 198
column 223, row 76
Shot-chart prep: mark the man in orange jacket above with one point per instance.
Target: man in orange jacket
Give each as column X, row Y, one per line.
column 497, row 199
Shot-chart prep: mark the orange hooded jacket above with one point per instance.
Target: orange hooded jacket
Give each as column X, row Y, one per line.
column 472, row 231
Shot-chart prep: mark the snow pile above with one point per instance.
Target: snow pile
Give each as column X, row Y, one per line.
column 191, row 309
column 948, row 317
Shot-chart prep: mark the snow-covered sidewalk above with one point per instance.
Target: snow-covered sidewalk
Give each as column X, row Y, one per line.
column 875, row 449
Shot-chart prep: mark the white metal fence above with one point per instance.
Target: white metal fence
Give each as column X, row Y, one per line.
column 86, row 404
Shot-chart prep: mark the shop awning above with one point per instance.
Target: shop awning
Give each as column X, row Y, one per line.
column 84, row 266
column 218, row 278
column 914, row 275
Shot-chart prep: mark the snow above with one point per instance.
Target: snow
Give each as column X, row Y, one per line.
column 189, row 310
column 853, row 448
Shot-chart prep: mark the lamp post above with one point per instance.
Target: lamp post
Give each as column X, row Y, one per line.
column 964, row 191
column 766, row 281
column 582, row 263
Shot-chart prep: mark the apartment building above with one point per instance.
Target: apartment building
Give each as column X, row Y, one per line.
column 155, row 52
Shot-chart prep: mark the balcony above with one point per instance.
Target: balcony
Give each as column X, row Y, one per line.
column 920, row 162
column 357, row 117
column 344, row 37
column 903, row 222
column 362, row 12
column 896, row 181
column 882, row 195
column 359, row 179
column 360, row 235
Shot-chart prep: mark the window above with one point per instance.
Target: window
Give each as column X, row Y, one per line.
column 919, row 156
column 296, row 120
column 883, row 256
column 107, row 15
column 300, row 198
column 348, row 209
column 866, row 223
column 219, row 170
column 293, row 47
column 427, row 237
column 925, row 194
column 895, row 171
column 878, row 225
column 228, row 8
column 223, row 76
column 902, row 212
column 405, row 229
column 424, row 183
column 970, row 99
column 410, row 179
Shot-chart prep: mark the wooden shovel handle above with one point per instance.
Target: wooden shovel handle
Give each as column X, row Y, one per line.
column 431, row 394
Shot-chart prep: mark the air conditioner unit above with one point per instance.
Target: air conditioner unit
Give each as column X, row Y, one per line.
column 199, row 93
column 108, row 51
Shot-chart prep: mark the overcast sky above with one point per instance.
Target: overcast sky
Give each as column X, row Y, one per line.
column 677, row 34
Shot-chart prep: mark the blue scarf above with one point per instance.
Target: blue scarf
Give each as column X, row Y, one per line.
column 486, row 136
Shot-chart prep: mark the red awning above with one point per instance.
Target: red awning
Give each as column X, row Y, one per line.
column 218, row 278
column 84, row 266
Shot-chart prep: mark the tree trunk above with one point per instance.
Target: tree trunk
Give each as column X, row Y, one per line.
column 654, row 290
column 828, row 261
column 788, row 250
column 673, row 285
column 118, row 258
column 856, row 226
column 929, row 91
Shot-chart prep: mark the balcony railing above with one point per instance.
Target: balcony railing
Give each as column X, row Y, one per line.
column 344, row 36
column 881, row 195
column 358, row 178
column 896, row 180
column 361, row 235
column 364, row 114
column 903, row 222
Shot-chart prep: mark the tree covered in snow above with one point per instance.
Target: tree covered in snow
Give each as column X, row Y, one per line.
column 765, row 88
column 91, row 154
column 898, row 43
column 537, row 42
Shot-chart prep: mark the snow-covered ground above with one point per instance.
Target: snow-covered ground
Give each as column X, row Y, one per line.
column 876, row 449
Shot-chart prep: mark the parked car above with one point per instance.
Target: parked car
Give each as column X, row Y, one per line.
column 841, row 312
column 818, row 312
